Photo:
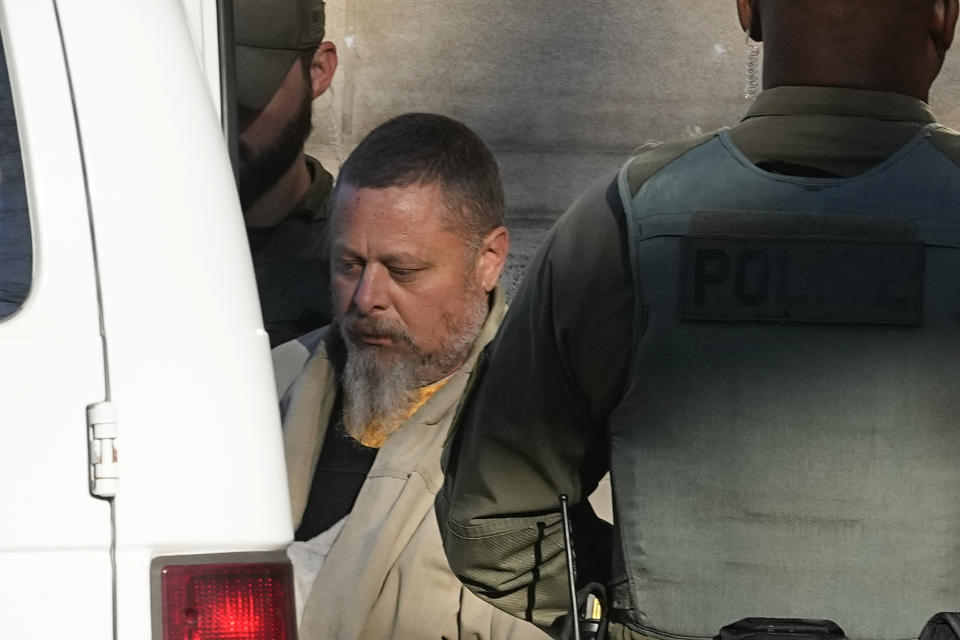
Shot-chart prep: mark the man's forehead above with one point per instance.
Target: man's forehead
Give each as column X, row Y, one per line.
column 397, row 222
column 415, row 207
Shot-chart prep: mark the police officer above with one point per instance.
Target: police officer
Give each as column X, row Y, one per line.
column 757, row 332
column 283, row 63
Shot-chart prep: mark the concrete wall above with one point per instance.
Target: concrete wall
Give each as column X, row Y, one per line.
column 561, row 90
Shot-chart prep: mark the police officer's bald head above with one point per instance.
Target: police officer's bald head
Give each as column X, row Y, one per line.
column 884, row 45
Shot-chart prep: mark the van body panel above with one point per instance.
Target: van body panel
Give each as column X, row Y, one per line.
column 201, row 457
column 201, row 16
column 49, row 594
column 55, row 537
column 146, row 299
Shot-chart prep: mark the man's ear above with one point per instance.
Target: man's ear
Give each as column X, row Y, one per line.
column 492, row 256
column 322, row 67
column 943, row 25
column 749, row 13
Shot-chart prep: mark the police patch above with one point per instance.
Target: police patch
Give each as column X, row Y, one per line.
column 776, row 267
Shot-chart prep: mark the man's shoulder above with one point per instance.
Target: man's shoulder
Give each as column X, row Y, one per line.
column 596, row 218
column 291, row 357
column 316, row 198
column 947, row 141
column 654, row 156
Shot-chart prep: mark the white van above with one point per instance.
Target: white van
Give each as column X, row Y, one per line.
column 143, row 487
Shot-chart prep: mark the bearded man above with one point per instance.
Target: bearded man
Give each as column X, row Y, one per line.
column 283, row 64
column 418, row 244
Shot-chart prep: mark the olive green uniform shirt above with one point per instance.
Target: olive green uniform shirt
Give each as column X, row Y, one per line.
column 292, row 266
column 534, row 425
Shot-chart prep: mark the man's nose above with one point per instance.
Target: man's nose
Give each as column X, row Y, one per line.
column 371, row 293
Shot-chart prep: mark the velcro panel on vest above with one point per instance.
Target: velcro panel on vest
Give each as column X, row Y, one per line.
column 843, row 269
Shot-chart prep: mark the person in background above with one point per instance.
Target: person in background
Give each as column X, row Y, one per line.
column 756, row 332
column 418, row 244
column 283, row 63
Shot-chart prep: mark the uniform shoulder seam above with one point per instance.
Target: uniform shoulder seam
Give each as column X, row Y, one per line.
column 947, row 141
column 652, row 158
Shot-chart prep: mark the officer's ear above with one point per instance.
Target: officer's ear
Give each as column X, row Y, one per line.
column 749, row 14
column 322, row 67
column 943, row 25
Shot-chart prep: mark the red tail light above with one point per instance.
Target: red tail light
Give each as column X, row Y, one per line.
column 228, row 602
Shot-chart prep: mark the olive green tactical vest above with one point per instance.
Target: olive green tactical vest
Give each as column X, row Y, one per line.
column 789, row 443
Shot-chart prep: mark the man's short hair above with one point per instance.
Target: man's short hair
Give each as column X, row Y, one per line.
column 424, row 148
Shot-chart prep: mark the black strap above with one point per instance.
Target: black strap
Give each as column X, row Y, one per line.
column 781, row 629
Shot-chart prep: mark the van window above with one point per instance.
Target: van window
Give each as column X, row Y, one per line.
column 16, row 250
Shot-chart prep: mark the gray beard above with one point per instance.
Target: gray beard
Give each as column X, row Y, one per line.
column 375, row 393
column 379, row 388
